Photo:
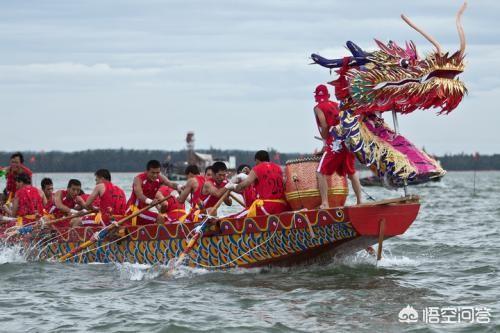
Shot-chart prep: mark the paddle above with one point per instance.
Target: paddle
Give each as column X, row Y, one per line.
column 104, row 232
column 199, row 232
column 30, row 227
column 238, row 200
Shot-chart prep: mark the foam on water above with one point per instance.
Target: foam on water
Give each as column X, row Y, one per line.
column 11, row 254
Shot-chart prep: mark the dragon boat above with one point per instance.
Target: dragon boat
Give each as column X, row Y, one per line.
column 392, row 78
column 290, row 238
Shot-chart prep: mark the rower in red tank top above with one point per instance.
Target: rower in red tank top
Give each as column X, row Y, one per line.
column 193, row 188
column 171, row 210
column 15, row 168
column 144, row 190
column 214, row 188
column 28, row 202
column 68, row 202
column 112, row 200
column 48, row 191
column 267, row 178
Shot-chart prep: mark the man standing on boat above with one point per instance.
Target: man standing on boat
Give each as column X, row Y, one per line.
column 214, row 187
column 336, row 157
column 15, row 168
column 144, row 189
column 267, row 178
column 112, row 200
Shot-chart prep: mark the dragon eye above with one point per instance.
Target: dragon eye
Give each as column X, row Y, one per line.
column 404, row 63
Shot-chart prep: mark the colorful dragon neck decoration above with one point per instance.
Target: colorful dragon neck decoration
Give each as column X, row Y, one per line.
column 394, row 78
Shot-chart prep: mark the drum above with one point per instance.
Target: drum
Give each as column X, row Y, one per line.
column 301, row 187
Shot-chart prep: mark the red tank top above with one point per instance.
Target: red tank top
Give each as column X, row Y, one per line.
column 249, row 195
column 66, row 201
column 269, row 183
column 29, row 201
column 211, row 200
column 196, row 197
column 50, row 206
column 113, row 201
column 331, row 111
column 172, row 202
column 10, row 186
column 149, row 189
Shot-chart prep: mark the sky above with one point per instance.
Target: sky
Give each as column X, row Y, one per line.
column 93, row 74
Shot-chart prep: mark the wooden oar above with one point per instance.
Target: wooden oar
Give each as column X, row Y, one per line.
column 198, row 234
column 104, row 232
column 238, row 200
column 31, row 226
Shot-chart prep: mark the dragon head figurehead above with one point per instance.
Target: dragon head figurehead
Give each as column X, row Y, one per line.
column 395, row 78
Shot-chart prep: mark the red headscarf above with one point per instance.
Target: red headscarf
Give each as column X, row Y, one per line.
column 321, row 93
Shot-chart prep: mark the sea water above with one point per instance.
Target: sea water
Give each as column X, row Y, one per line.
column 446, row 264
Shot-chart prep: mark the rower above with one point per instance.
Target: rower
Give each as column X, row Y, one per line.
column 209, row 172
column 112, row 200
column 336, row 157
column 28, row 201
column 69, row 201
column 48, row 191
column 145, row 187
column 248, row 194
column 214, row 188
column 193, row 188
column 267, row 178
column 170, row 210
column 15, row 168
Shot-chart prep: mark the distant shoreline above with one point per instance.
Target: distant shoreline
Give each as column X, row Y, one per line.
column 131, row 160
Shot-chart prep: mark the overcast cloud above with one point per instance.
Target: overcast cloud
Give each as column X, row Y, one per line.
column 139, row 74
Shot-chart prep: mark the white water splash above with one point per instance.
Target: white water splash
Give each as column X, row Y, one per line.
column 397, row 261
column 11, row 254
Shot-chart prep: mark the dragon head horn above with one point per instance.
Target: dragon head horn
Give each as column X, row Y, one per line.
column 359, row 57
column 356, row 50
column 433, row 41
column 460, row 28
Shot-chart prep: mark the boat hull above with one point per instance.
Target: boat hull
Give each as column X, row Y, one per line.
column 287, row 239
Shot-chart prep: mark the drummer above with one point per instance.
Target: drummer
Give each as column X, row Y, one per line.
column 336, row 157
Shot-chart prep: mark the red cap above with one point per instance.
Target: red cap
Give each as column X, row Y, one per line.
column 321, row 93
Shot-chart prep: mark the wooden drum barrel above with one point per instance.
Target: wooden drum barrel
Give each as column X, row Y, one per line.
column 301, row 187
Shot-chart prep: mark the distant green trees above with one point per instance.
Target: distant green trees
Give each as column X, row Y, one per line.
column 125, row 160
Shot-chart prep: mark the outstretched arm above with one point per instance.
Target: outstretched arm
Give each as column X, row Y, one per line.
column 169, row 183
column 191, row 186
column 98, row 191
column 252, row 177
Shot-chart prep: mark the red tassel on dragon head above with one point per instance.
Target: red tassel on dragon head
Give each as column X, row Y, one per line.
column 394, row 78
